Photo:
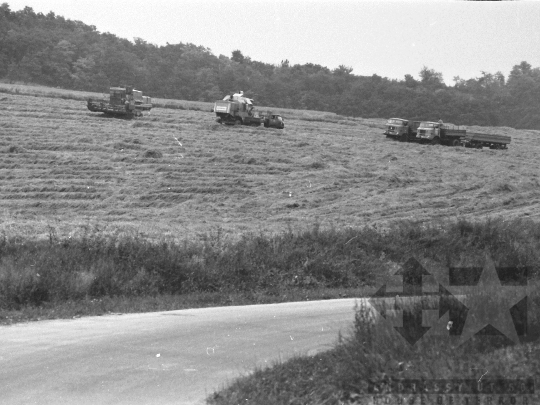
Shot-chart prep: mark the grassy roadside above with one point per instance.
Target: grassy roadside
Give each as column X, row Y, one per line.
column 374, row 355
column 368, row 358
column 94, row 273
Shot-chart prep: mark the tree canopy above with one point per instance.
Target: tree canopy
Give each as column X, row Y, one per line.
column 51, row 50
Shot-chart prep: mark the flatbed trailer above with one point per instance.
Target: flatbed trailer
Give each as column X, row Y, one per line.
column 492, row 141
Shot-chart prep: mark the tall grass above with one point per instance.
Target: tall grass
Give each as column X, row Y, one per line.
column 96, row 265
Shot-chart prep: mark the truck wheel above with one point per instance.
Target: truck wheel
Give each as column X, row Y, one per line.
column 238, row 121
column 404, row 138
column 436, row 141
column 456, row 142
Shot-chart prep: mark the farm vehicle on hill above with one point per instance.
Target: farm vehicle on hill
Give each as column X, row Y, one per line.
column 236, row 109
column 271, row 120
column 438, row 133
column 401, row 129
column 123, row 101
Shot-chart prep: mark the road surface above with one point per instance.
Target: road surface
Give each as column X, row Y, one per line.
column 173, row 357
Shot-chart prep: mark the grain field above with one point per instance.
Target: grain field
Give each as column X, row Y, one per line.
column 177, row 172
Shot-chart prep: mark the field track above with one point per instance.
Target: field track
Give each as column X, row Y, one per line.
column 63, row 168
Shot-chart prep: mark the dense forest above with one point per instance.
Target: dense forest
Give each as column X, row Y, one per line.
column 54, row 51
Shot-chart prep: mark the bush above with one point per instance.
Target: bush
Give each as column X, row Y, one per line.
column 155, row 154
column 317, row 165
column 15, row 149
column 95, row 265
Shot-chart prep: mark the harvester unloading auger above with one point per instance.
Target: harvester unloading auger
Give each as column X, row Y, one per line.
column 123, row 101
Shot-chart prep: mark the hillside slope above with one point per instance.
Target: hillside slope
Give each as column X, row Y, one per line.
column 54, row 51
column 64, row 168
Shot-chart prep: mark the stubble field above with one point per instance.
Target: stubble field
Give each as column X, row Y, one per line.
column 63, row 169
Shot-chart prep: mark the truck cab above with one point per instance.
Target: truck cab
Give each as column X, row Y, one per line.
column 439, row 133
column 402, row 129
column 272, row 120
column 428, row 130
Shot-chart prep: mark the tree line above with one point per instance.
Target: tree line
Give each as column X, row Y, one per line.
column 54, row 51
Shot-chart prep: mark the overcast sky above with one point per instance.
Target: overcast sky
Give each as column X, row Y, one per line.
column 389, row 38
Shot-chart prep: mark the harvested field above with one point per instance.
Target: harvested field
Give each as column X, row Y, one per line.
column 177, row 172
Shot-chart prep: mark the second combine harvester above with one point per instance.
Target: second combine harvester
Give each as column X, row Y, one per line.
column 236, row 109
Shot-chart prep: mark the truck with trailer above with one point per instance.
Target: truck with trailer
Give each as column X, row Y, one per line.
column 123, row 101
column 401, row 129
column 235, row 109
column 438, row 133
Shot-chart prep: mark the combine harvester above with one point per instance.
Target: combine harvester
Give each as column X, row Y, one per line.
column 123, row 101
column 239, row 110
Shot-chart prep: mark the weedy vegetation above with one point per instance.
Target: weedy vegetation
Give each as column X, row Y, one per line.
column 373, row 353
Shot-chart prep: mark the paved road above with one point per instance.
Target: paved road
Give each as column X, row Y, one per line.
column 175, row 357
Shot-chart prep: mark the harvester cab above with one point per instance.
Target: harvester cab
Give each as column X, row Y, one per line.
column 122, row 101
column 121, row 96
